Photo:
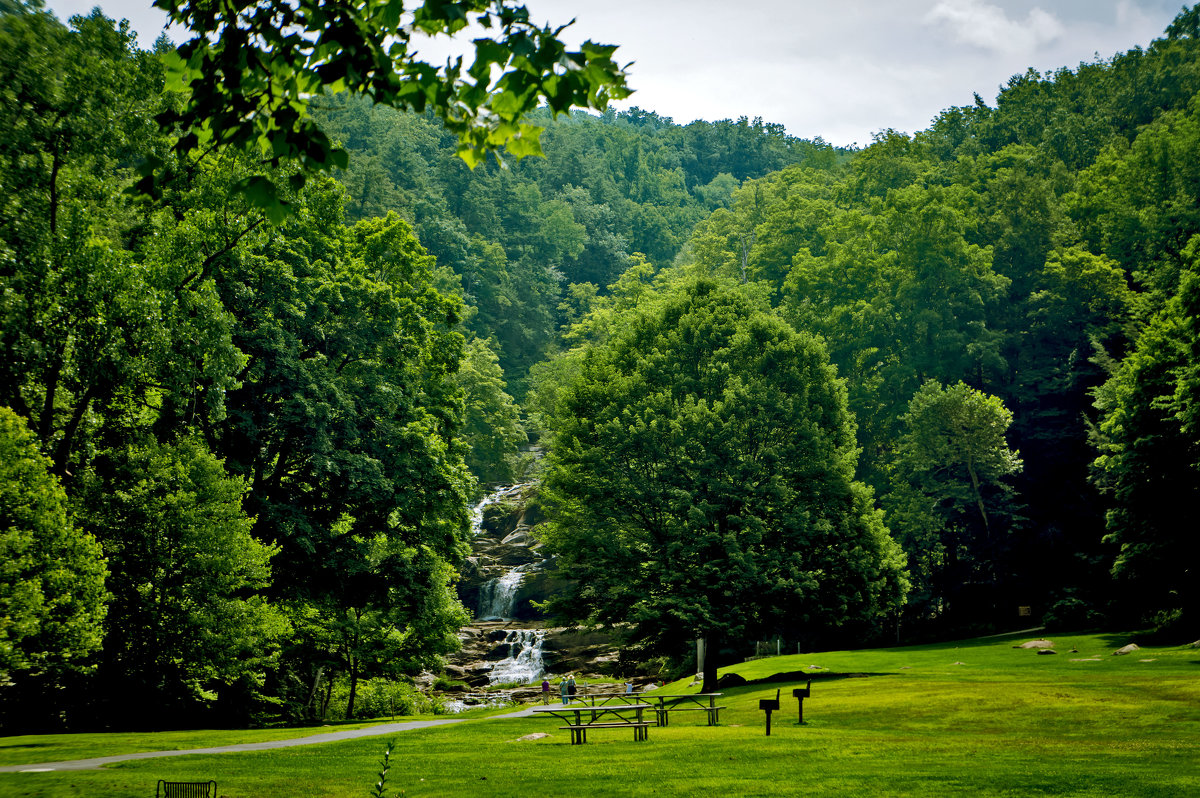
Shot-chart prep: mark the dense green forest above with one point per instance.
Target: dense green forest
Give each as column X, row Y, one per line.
column 894, row 393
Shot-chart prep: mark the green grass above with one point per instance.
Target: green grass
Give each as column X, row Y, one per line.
column 1005, row 722
column 59, row 747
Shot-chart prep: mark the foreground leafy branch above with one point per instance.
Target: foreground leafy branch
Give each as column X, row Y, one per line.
column 251, row 68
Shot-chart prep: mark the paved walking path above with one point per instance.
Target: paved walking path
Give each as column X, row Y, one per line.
column 316, row 739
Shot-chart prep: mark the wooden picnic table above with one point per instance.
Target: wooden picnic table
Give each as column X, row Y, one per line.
column 581, row 717
column 666, row 704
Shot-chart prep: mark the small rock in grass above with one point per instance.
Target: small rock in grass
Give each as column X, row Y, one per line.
column 1046, row 651
column 960, row 663
column 534, row 736
column 1129, row 649
column 1147, row 660
column 1091, row 659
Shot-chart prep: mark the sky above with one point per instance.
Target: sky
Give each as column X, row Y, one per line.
column 839, row 69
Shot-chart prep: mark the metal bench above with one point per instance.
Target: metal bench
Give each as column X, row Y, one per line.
column 185, row 789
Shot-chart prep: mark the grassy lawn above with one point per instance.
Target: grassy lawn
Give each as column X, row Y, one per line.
column 976, row 718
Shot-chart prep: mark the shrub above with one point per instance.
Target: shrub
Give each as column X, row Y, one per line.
column 378, row 698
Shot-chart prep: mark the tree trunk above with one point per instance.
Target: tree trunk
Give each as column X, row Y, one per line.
column 711, row 643
column 353, row 690
column 310, row 704
column 987, row 530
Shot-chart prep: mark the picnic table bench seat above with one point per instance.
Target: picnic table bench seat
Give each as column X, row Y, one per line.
column 664, row 705
column 641, row 730
column 580, row 718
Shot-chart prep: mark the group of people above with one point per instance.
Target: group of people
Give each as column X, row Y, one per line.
column 568, row 688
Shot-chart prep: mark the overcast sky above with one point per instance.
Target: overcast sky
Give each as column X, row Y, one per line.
column 839, row 69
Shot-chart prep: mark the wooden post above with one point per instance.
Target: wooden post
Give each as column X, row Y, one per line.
column 802, row 693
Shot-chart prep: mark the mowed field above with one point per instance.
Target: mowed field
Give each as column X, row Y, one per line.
column 977, row 718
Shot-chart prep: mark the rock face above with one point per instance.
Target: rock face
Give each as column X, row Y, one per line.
column 506, row 570
column 496, row 652
column 507, row 573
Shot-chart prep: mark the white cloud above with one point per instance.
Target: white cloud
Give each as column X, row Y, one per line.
column 983, row 25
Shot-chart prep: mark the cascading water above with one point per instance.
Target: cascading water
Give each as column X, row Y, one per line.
column 492, row 498
column 497, row 542
column 524, row 663
column 497, row 597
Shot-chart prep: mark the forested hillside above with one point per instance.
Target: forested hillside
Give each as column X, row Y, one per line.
column 979, row 341
column 518, row 235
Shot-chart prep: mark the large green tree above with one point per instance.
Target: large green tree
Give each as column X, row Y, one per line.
column 186, row 623
column 52, row 593
column 951, row 504
column 701, row 484
column 1149, row 463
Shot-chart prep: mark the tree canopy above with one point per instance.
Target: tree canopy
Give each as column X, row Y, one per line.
column 701, row 483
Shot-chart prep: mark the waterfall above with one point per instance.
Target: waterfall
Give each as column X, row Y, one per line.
column 524, row 663
column 492, row 498
column 497, row 597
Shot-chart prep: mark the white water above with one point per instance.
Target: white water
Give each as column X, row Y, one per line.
column 524, row 663
column 491, row 498
column 498, row 597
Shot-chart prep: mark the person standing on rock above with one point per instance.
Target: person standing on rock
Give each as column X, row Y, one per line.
column 563, row 687
column 545, row 691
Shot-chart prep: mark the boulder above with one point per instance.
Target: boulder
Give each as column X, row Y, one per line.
column 730, row 680
column 1129, row 649
column 1036, row 644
